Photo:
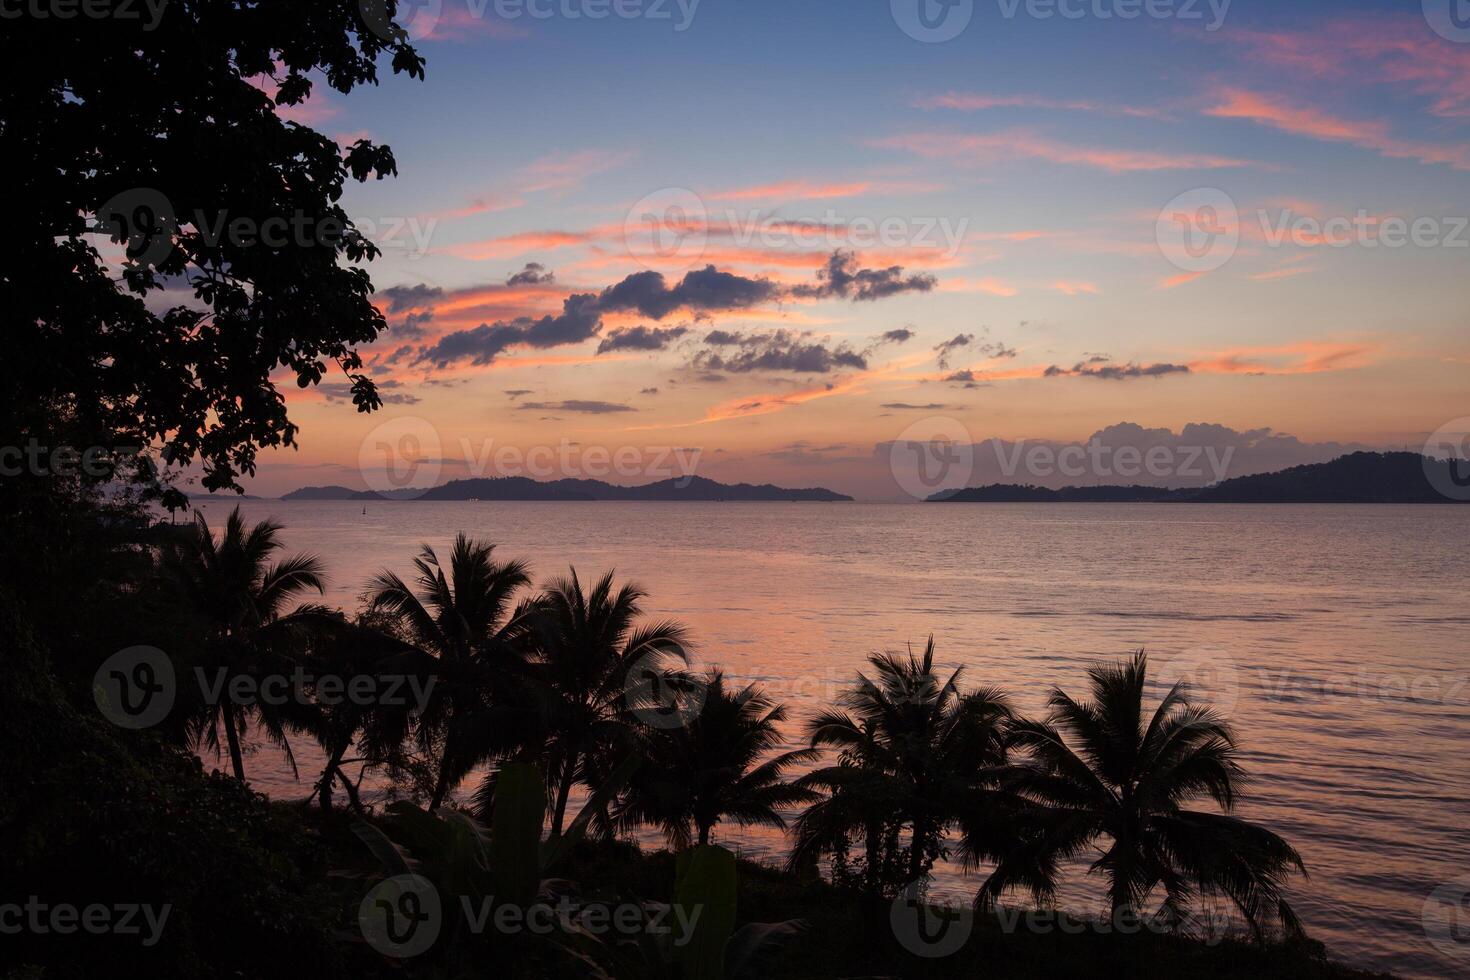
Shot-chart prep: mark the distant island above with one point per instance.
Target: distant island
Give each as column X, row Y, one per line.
column 1358, row 478
column 524, row 488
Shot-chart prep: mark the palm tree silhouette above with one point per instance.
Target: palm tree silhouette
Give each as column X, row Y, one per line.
column 469, row 621
column 241, row 598
column 914, row 750
column 698, row 774
column 1127, row 781
column 586, row 644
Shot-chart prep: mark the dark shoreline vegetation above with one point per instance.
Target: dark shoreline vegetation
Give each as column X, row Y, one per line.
column 571, row 687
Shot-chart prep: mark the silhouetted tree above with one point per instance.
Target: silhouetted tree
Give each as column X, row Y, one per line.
column 722, row 764
column 242, row 599
column 168, row 133
column 469, row 621
column 1103, row 770
column 913, row 749
column 586, row 643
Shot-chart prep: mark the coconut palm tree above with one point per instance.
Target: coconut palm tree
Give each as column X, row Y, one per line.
column 241, row 598
column 717, row 766
column 468, row 619
column 914, row 751
column 1104, row 771
column 586, row 643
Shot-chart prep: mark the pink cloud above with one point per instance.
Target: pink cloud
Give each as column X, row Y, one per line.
column 1024, row 144
column 520, row 243
column 567, row 171
column 976, row 102
column 1300, row 120
column 1382, row 50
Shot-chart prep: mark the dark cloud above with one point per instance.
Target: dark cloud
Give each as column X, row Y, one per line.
column 902, row 335
column 841, row 278
column 640, row 338
column 586, row 407
column 701, row 290
column 996, row 350
column 781, row 350
column 805, row 452
column 904, row 406
column 721, row 338
column 948, row 347
column 411, row 327
column 1096, row 368
column 514, row 393
column 966, row 378
column 578, row 321
column 648, row 391
column 534, row 274
column 711, row 377
column 401, row 298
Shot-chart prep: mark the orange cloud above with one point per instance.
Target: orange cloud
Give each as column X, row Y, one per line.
column 1303, row 357
column 1182, row 279
column 989, row 285
column 794, row 190
column 1073, row 287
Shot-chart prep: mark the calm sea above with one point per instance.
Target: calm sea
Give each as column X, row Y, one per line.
column 1335, row 637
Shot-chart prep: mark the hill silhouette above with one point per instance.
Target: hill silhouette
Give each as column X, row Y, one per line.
column 524, row 488
column 1357, row 478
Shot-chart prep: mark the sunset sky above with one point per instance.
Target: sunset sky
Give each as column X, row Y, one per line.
column 879, row 230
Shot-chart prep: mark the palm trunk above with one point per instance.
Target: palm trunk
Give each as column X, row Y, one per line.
column 916, row 851
column 704, row 834
column 873, row 843
column 563, row 791
column 441, row 786
column 352, row 798
column 237, row 759
column 330, row 774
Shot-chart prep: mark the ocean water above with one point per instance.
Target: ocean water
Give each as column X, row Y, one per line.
column 1334, row 637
